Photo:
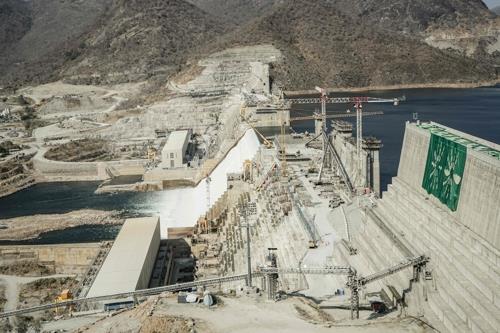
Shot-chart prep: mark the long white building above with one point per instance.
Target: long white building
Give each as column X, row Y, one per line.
column 130, row 261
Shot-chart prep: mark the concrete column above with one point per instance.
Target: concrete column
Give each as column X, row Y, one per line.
column 318, row 126
column 376, row 172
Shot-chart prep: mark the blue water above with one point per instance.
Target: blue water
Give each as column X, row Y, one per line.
column 80, row 234
column 57, row 198
column 475, row 111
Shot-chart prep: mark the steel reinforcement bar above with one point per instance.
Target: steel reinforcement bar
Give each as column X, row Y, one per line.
column 142, row 292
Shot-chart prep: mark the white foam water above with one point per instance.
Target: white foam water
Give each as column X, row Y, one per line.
column 182, row 207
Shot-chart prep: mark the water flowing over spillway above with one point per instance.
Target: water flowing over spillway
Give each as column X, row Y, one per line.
column 182, row 207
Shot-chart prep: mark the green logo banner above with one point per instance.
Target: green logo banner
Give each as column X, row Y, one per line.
column 444, row 170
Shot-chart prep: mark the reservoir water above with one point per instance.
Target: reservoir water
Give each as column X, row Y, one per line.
column 475, row 111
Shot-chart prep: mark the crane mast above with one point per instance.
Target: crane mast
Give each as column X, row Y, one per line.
column 358, row 104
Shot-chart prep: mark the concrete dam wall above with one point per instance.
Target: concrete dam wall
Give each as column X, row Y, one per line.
column 183, row 206
column 479, row 199
column 444, row 203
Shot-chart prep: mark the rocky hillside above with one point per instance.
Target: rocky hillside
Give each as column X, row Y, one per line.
column 336, row 43
column 236, row 12
column 415, row 16
column 402, row 16
column 15, row 21
column 140, row 38
column 102, row 40
column 42, row 32
column 323, row 47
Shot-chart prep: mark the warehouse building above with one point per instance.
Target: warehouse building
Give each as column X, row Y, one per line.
column 130, row 261
column 174, row 151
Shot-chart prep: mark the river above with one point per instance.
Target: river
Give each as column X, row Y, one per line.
column 475, row 111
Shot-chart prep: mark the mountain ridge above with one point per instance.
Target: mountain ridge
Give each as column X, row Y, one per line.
column 322, row 47
column 334, row 43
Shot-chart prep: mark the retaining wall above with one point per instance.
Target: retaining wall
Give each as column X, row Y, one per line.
column 66, row 258
column 84, row 171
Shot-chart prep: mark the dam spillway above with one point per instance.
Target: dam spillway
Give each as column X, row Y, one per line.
column 182, row 207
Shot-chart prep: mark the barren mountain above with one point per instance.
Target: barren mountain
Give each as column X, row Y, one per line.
column 344, row 43
column 323, row 46
column 402, row 16
column 44, row 30
column 415, row 16
column 236, row 11
column 496, row 10
column 103, row 40
column 15, row 21
column 139, row 38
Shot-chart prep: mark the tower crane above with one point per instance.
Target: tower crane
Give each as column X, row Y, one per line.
column 358, row 104
column 318, row 116
column 266, row 142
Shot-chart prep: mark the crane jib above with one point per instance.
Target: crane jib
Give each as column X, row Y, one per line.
column 343, row 100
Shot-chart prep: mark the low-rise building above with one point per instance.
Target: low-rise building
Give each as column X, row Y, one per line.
column 130, row 261
column 174, row 151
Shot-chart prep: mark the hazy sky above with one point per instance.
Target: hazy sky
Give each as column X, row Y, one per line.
column 492, row 3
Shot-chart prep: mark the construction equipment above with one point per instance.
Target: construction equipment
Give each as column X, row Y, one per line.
column 268, row 144
column 152, row 152
column 317, row 116
column 137, row 293
column 64, row 296
column 358, row 104
column 354, row 282
column 269, row 270
column 248, row 209
column 283, row 146
column 313, row 244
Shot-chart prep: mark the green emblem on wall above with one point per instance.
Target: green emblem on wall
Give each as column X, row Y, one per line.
column 444, row 170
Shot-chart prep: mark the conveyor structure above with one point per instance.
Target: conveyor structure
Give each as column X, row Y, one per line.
column 354, row 282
